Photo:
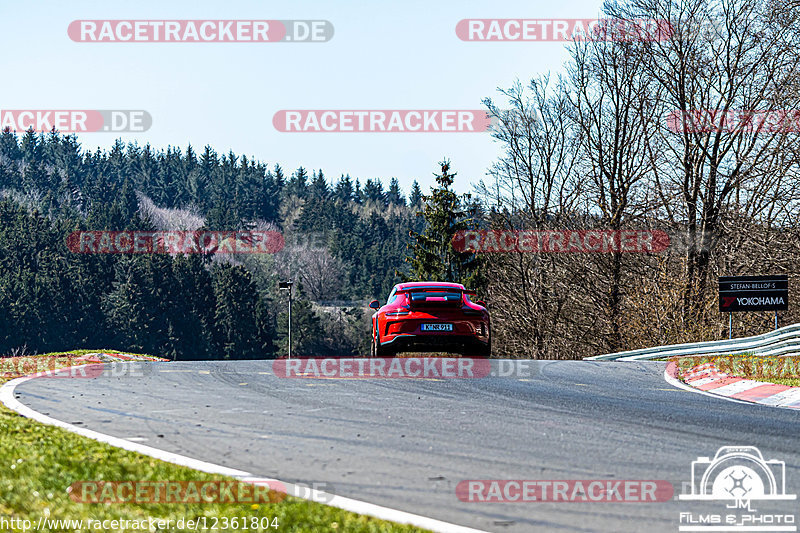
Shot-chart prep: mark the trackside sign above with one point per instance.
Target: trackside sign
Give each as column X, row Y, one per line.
column 753, row 293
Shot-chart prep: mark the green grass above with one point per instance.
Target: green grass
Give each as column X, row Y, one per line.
column 783, row 370
column 792, row 382
column 38, row 463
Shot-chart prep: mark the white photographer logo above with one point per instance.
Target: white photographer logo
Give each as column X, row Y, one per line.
column 738, row 473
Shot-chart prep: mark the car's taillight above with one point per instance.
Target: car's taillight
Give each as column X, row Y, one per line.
column 399, row 312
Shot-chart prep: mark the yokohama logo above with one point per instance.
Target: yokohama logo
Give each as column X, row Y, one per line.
column 760, row 301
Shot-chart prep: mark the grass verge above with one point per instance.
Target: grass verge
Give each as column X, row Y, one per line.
column 38, row 463
column 783, row 370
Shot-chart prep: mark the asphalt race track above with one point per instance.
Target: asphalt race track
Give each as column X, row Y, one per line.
column 406, row 444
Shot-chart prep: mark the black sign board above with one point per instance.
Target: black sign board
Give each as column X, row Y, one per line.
column 753, row 293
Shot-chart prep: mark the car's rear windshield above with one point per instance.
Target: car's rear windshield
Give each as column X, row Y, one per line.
column 434, row 297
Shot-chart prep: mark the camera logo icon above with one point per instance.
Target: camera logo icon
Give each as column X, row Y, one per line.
column 738, row 473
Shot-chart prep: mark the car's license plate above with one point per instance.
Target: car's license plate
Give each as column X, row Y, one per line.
column 437, row 327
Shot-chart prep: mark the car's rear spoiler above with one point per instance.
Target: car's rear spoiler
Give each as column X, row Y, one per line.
column 436, row 288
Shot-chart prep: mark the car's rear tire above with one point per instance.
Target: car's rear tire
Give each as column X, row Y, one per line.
column 382, row 351
column 479, row 350
column 486, row 351
column 376, row 350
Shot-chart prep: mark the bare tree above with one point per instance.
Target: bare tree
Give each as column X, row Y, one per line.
column 722, row 59
column 665, row 132
column 535, row 173
column 611, row 101
column 319, row 272
column 166, row 219
column 534, row 187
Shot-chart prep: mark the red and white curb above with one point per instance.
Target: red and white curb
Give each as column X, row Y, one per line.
column 706, row 378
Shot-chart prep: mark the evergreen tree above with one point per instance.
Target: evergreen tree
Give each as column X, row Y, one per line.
column 268, row 197
column 266, row 325
column 433, row 257
column 235, row 328
column 358, row 196
column 175, row 306
column 9, row 147
column 298, row 184
column 307, row 331
column 280, row 179
column 373, row 192
column 395, row 196
column 344, row 189
column 415, row 198
column 126, row 307
column 319, row 187
column 191, row 317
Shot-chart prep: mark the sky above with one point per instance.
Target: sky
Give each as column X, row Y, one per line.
column 383, row 55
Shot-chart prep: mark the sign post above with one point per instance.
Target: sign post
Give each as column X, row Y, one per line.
column 287, row 286
column 730, row 326
column 739, row 294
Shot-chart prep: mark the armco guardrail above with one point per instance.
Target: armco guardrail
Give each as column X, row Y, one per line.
column 781, row 342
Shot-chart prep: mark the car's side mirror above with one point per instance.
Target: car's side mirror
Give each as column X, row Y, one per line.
column 375, row 304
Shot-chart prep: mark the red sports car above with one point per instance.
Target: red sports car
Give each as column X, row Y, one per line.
column 430, row 316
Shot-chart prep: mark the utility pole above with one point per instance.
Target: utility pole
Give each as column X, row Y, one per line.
column 287, row 286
